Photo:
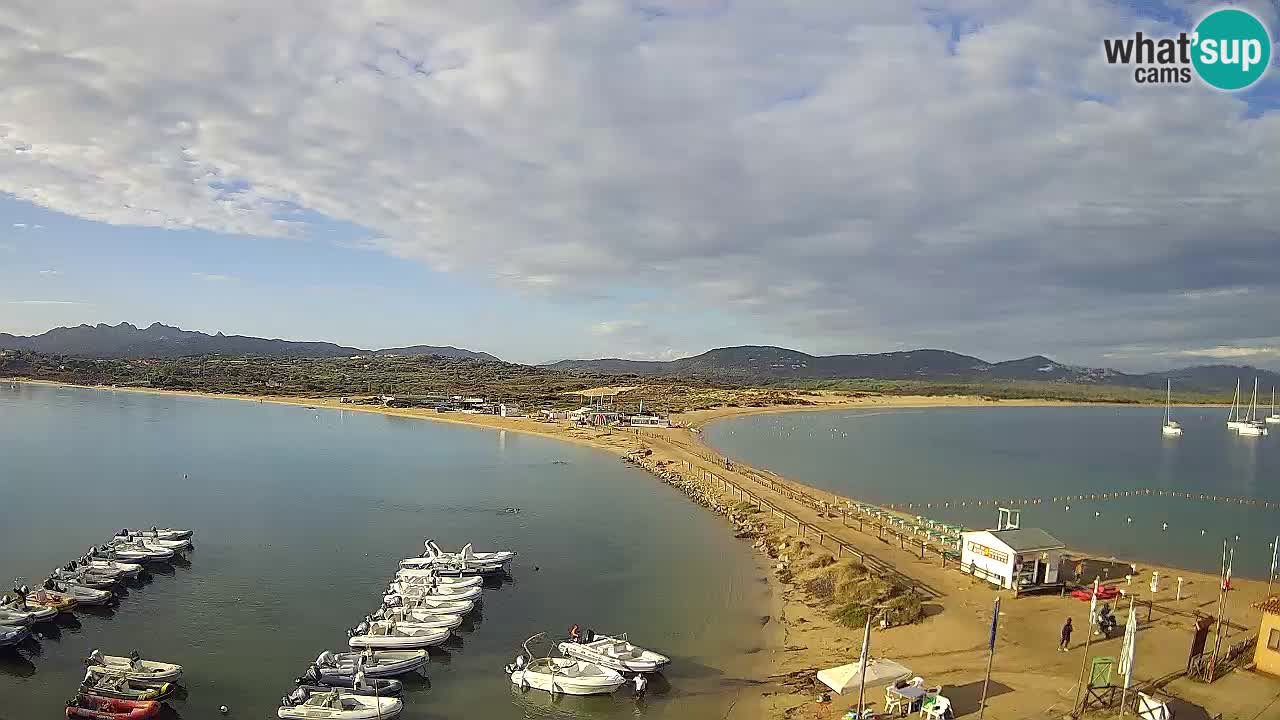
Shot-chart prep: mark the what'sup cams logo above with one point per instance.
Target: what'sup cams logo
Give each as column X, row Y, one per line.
column 1229, row 49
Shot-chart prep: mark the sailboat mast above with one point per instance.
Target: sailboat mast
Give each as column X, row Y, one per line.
column 1235, row 403
column 1253, row 403
column 1168, row 398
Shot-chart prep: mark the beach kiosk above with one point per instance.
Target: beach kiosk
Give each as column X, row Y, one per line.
column 1012, row 557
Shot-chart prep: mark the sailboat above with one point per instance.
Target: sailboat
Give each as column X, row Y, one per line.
column 1251, row 427
column 1234, row 420
column 1171, row 428
column 1273, row 418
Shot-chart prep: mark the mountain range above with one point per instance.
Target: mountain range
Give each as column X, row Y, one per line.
column 166, row 341
column 771, row 364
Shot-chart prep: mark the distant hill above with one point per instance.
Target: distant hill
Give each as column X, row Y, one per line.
column 165, row 341
column 773, row 364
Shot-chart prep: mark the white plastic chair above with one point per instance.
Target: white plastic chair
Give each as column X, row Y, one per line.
column 893, row 702
column 938, row 710
column 917, row 681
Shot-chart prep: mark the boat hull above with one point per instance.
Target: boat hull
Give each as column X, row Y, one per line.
column 148, row 669
column 370, row 708
column 414, row 641
column 564, row 685
column 383, row 664
column 641, row 661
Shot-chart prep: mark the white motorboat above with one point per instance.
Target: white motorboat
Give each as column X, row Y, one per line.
column 449, row 607
column 468, row 554
column 139, row 550
column 426, row 592
column 428, row 577
column 421, row 618
column 342, row 705
column 162, row 533
column 10, row 636
column 151, row 540
column 567, row 676
column 126, row 569
column 1170, row 428
column 131, row 555
column 341, row 667
column 37, row 613
column 389, row 635
column 86, row 579
column 615, row 652
column 11, row 618
column 132, row 667
column 81, row 594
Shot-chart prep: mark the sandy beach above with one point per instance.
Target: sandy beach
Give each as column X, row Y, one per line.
column 1030, row 677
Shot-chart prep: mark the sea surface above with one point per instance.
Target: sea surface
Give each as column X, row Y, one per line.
column 301, row 516
column 945, row 460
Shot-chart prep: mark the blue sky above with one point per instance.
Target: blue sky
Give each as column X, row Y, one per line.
column 544, row 180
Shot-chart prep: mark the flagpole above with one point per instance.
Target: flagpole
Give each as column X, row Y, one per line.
column 995, row 621
column 866, row 652
column 1275, row 555
column 1222, row 607
column 1088, row 638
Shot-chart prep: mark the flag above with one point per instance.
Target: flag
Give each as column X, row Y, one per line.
column 1129, row 649
column 995, row 622
column 1093, row 604
column 1226, row 577
column 1275, row 555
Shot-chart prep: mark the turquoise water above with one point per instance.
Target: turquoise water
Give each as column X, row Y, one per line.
column 944, row 456
column 300, row 519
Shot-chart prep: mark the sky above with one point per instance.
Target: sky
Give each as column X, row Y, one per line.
column 543, row 179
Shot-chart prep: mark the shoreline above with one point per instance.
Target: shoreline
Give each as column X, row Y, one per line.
column 800, row 636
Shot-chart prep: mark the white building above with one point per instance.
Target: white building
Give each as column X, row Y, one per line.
column 648, row 421
column 1012, row 557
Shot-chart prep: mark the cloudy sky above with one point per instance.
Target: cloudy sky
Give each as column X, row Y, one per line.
column 556, row 178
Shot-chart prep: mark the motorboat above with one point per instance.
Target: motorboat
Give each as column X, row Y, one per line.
column 12, row 618
column 123, row 687
column 133, row 667
column 119, row 552
column 44, row 600
column 10, row 635
column 403, row 614
column 448, row 607
column 615, row 652
column 429, row 577
column 81, row 594
column 146, row 538
column 468, row 554
column 137, row 550
column 412, row 619
column 567, row 676
column 19, row 605
column 376, row 686
column 390, row 635
column 340, row 667
column 162, row 533
column 341, row 705
column 414, row 592
column 85, row 579
column 101, row 708
column 125, row 569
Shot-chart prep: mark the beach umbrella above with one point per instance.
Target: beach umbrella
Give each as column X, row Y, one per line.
column 1128, row 652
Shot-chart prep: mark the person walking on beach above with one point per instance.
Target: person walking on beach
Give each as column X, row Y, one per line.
column 1064, row 642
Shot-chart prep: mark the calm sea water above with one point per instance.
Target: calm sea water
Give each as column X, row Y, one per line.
column 936, row 455
column 300, row 519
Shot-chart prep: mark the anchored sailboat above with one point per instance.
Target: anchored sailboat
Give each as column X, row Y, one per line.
column 1273, row 418
column 1251, row 426
column 1171, row 428
column 1234, row 420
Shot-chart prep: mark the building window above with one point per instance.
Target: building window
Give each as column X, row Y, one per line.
column 1273, row 640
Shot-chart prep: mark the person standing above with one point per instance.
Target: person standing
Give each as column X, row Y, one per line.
column 1064, row 641
column 641, row 682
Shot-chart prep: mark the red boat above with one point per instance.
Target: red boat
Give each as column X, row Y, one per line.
column 100, row 708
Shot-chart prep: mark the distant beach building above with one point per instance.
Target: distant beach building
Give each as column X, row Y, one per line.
column 1266, row 656
column 509, row 410
column 1012, row 557
column 648, row 421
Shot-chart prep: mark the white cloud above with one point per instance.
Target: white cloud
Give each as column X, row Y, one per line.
column 46, row 302
column 212, row 277
column 843, row 172
column 20, row 226
column 608, row 328
column 51, row 273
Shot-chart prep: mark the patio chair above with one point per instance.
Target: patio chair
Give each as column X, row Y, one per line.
column 938, row 710
column 894, row 703
column 917, row 681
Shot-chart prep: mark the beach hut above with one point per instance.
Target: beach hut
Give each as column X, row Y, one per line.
column 1266, row 656
column 1013, row 557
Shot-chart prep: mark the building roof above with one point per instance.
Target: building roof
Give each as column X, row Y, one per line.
column 1028, row 539
column 1271, row 605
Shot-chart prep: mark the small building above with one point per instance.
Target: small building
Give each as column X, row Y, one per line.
column 648, row 421
column 1266, row 656
column 510, row 410
column 1012, row 557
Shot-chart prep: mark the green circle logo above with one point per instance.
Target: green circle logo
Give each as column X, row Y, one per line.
column 1232, row 49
